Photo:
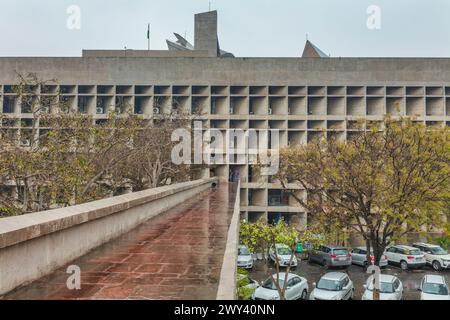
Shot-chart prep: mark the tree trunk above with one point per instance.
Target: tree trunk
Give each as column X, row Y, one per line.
column 376, row 292
column 378, row 251
column 368, row 247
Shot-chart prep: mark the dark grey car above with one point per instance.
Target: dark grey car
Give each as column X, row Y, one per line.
column 333, row 256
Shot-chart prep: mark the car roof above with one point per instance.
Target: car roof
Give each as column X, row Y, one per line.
column 283, row 275
column 281, row 245
column 426, row 245
column 402, row 246
column 335, row 247
column 334, row 275
column 241, row 246
column 385, row 278
column 433, row 278
column 361, row 248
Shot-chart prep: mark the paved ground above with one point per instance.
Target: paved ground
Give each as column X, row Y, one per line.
column 177, row 255
column 313, row 272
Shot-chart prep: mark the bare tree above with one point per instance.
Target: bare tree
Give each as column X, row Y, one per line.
column 61, row 157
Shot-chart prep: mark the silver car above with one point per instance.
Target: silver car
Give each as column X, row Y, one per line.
column 359, row 257
column 391, row 288
column 296, row 288
column 333, row 256
column 333, row 286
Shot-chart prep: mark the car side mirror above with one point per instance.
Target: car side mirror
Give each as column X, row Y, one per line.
column 314, row 284
column 419, row 289
column 365, row 286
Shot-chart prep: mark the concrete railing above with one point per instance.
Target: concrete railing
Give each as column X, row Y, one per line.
column 36, row 244
column 227, row 284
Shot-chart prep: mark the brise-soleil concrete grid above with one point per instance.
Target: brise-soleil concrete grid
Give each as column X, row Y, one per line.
column 302, row 97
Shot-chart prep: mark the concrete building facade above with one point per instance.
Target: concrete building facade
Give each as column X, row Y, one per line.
column 303, row 97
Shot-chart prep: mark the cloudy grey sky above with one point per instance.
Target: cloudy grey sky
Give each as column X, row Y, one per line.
column 246, row 27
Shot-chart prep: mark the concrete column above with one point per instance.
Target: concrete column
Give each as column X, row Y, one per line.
column 206, row 38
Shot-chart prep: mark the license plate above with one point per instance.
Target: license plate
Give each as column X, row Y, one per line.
column 342, row 258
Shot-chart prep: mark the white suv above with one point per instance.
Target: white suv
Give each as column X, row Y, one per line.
column 405, row 256
column 284, row 254
column 434, row 287
column 435, row 256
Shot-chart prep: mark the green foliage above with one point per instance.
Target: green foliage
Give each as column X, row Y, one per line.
column 243, row 292
column 259, row 237
column 444, row 242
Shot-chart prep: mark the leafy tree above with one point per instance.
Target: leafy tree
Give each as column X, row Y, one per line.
column 382, row 184
column 261, row 237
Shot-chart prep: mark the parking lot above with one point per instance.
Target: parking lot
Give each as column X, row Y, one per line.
column 312, row 272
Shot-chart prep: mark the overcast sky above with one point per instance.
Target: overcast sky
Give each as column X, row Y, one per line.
column 246, row 27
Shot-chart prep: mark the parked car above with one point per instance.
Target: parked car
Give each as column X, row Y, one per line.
column 391, row 288
column 245, row 259
column 333, row 256
column 434, row 287
column 333, row 286
column 284, row 254
column 405, row 256
column 435, row 256
column 296, row 288
column 359, row 257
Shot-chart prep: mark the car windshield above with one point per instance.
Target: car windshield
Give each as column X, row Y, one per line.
column 284, row 251
column 270, row 284
column 244, row 252
column 330, row 285
column 435, row 288
column 413, row 252
column 340, row 251
column 438, row 251
column 385, row 287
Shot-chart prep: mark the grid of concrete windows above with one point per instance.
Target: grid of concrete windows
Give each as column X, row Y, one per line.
column 305, row 98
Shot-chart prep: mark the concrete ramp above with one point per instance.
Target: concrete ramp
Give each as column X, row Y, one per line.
column 175, row 255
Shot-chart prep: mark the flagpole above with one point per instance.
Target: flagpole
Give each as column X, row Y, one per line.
column 148, row 36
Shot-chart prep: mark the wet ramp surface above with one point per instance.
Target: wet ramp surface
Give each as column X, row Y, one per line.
column 176, row 255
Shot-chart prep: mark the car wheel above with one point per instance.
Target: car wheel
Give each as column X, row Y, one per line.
column 436, row 265
column 353, row 294
column 304, row 295
column 366, row 264
column 324, row 262
column 404, row 265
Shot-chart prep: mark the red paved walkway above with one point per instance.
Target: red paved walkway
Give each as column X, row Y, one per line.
column 177, row 255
